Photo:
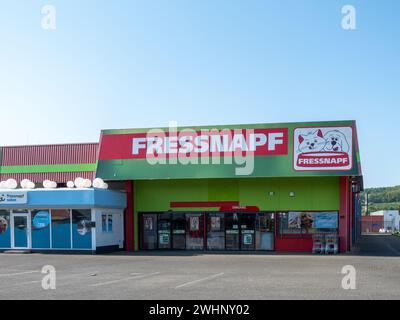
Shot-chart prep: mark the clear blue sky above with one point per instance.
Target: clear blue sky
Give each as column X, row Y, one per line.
column 122, row 64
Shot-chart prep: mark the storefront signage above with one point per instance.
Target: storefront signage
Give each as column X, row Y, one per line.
column 259, row 142
column 13, row 197
column 327, row 148
column 323, row 149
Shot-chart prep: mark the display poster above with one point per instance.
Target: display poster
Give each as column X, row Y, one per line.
column 248, row 239
column 41, row 219
column 326, row 220
column 4, row 223
column 194, row 223
column 164, row 238
column 294, row 220
column 215, row 223
column 148, row 223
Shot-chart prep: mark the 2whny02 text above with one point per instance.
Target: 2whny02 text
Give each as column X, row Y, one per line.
column 200, row 310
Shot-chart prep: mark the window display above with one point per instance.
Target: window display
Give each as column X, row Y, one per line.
column 5, row 234
column 81, row 229
column 216, row 231
column 307, row 222
column 195, row 232
column 61, row 229
column 40, row 229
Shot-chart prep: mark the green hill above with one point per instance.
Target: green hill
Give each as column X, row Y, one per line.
column 387, row 198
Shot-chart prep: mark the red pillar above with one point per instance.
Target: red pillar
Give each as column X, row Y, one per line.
column 129, row 217
column 344, row 215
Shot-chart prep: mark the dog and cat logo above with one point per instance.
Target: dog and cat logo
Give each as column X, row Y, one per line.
column 323, row 149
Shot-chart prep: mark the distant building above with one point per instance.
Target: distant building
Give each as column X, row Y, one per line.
column 390, row 218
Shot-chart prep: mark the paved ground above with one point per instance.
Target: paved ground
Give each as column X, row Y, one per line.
column 207, row 276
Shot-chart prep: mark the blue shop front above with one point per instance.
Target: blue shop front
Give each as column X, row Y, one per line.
column 89, row 220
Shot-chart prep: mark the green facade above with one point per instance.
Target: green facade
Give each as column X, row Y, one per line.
column 311, row 193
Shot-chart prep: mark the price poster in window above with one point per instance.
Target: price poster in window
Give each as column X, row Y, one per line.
column 148, row 223
column 294, row 220
column 215, row 223
column 164, row 238
column 194, row 223
column 248, row 239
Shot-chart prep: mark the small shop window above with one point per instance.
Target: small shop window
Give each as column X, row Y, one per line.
column 5, row 234
column 61, row 229
column 81, row 229
column 107, row 222
column 40, row 229
column 303, row 222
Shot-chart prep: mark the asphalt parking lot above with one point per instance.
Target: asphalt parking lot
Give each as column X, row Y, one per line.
column 206, row 276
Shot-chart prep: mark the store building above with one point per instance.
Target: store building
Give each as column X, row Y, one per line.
column 88, row 220
column 242, row 187
column 193, row 188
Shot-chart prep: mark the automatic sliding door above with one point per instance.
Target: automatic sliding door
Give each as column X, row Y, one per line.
column 232, row 235
column 195, row 231
column 164, row 231
column 178, row 231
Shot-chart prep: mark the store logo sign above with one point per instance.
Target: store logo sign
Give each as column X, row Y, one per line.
column 210, row 143
column 323, row 149
column 13, row 198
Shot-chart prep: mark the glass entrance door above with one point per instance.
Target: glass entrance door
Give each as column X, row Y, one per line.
column 247, row 230
column 20, row 231
column 164, row 231
column 232, row 232
column 265, row 231
column 149, row 231
column 178, row 231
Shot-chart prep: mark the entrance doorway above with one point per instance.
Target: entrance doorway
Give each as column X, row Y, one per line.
column 20, row 230
column 207, row 231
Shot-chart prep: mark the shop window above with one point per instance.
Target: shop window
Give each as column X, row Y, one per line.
column 178, row 231
column 295, row 222
column 107, row 222
column 148, row 239
column 61, row 229
column 81, row 229
column 40, row 229
column 195, row 231
column 5, row 233
column 215, row 231
column 164, row 231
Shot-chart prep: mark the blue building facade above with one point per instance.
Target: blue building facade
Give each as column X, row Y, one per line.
column 62, row 219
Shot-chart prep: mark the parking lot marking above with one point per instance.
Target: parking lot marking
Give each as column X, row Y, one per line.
column 198, row 280
column 124, row 279
column 17, row 273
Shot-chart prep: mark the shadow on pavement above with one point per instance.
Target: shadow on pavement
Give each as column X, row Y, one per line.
column 379, row 245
